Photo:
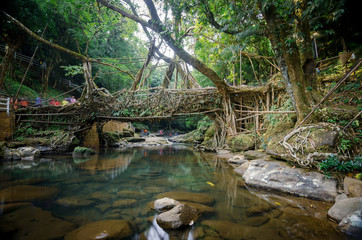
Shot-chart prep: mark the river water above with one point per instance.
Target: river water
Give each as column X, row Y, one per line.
column 48, row 198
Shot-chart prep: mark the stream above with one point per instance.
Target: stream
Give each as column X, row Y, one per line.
column 56, row 194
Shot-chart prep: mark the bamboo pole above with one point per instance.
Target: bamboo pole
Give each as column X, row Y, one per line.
column 352, row 121
column 355, row 67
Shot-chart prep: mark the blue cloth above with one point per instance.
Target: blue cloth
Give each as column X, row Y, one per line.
column 38, row 102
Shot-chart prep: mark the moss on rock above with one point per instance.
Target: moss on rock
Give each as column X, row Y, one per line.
column 241, row 142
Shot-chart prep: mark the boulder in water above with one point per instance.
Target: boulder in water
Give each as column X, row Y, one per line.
column 352, row 224
column 28, row 153
column 165, row 204
column 179, row 217
column 344, row 207
column 278, row 176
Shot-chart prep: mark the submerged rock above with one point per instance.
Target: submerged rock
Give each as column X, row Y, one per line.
column 5, row 208
column 101, row 196
column 178, row 217
column 278, row 176
column 344, row 207
column 24, row 193
column 201, row 208
column 124, row 203
column 108, row 229
column 352, row 224
column 188, row 196
column 34, row 223
column 74, row 201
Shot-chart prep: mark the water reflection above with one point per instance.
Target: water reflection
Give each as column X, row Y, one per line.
column 122, row 184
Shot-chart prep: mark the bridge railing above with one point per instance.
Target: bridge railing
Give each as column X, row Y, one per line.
column 5, row 105
column 20, row 57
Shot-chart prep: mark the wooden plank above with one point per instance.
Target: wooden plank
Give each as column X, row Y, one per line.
column 47, row 122
column 47, row 114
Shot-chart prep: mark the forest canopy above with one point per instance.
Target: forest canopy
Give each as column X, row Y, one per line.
column 137, row 44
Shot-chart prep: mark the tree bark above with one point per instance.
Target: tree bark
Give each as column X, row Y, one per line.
column 289, row 60
column 7, row 60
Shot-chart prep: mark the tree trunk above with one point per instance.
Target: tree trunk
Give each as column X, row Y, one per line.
column 87, row 72
column 289, row 61
column 7, row 60
column 168, row 76
column 139, row 74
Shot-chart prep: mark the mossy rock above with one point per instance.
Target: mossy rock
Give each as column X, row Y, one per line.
column 241, row 142
column 83, row 151
column 209, row 134
column 315, row 141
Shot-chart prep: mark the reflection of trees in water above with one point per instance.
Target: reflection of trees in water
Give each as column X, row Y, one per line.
column 225, row 180
column 38, row 169
column 113, row 164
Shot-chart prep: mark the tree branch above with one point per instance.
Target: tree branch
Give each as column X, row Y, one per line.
column 58, row 47
column 157, row 27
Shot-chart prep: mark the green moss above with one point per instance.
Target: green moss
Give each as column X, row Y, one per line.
column 241, row 142
column 83, row 151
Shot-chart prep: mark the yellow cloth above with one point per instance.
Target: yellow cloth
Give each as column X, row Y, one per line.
column 65, row 102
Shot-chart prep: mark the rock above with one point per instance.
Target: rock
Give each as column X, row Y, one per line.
column 344, row 207
column 253, row 154
column 178, row 217
column 28, row 153
column 241, row 142
column 135, row 139
column 352, row 224
column 154, row 189
column 341, row 197
column 188, row 197
column 242, row 168
column 34, row 223
column 278, row 176
column 237, row 159
column 103, row 207
column 259, row 210
column 83, row 152
column 201, row 208
column 107, row 229
column 131, row 194
column 325, row 137
column 156, row 141
column 231, row 230
column 123, row 203
column 74, row 201
column 352, row 187
column 6, row 208
column 11, row 154
column 165, row 204
column 101, row 196
column 257, row 221
column 44, row 149
column 24, row 193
